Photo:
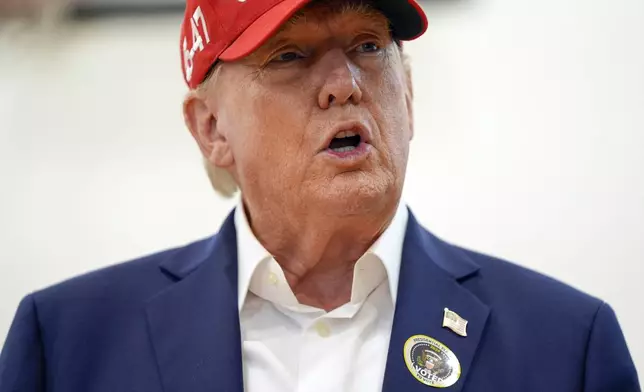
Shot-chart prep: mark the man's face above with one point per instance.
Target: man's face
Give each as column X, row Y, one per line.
column 333, row 68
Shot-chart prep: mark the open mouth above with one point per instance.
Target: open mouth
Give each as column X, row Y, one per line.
column 345, row 141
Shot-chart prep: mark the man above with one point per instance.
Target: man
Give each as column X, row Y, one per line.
column 321, row 279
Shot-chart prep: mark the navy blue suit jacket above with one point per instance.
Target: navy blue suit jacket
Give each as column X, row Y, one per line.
column 169, row 322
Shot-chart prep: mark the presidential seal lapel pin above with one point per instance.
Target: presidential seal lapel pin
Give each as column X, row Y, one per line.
column 456, row 323
column 431, row 362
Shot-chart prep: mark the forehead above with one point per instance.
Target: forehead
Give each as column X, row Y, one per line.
column 321, row 9
column 348, row 14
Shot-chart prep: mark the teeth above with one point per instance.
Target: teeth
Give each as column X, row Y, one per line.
column 344, row 149
column 344, row 134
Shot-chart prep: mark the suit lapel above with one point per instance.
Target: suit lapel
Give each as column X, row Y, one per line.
column 194, row 324
column 430, row 281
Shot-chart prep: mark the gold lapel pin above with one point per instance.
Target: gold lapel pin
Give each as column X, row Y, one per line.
column 455, row 322
column 431, row 362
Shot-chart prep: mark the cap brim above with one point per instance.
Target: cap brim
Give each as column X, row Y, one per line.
column 407, row 17
column 408, row 20
column 261, row 29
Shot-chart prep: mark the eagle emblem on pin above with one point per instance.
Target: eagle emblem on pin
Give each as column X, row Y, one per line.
column 456, row 323
column 431, row 362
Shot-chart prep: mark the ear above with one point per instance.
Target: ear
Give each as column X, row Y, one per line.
column 409, row 93
column 201, row 120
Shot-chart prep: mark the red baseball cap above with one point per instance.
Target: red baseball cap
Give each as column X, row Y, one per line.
column 231, row 29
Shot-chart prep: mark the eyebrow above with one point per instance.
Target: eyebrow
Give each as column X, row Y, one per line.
column 371, row 20
column 365, row 11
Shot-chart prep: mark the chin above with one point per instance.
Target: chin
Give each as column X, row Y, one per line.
column 356, row 193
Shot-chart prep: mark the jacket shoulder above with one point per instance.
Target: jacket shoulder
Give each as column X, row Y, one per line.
column 123, row 283
column 508, row 283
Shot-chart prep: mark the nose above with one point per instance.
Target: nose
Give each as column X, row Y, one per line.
column 341, row 84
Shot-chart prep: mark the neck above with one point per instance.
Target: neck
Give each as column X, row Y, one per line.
column 318, row 251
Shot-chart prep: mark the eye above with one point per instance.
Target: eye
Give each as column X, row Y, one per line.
column 287, row 57
column 368, row 47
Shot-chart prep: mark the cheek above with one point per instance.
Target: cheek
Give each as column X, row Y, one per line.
column 390, row 110
column 266, row 131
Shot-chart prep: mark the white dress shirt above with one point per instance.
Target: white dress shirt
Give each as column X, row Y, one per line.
column 291, row 347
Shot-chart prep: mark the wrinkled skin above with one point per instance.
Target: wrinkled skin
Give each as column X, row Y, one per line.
column 268, row 117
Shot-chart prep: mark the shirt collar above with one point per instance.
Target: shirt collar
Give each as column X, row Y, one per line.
column 368, row 272
column 389, row 247
column 250, row 253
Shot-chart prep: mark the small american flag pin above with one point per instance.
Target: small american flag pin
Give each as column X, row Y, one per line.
column 455, row 322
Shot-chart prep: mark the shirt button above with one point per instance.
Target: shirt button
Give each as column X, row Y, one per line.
column 322, row 329
column 272, row 278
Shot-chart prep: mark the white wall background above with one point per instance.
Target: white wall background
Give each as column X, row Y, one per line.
column 529, row 140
